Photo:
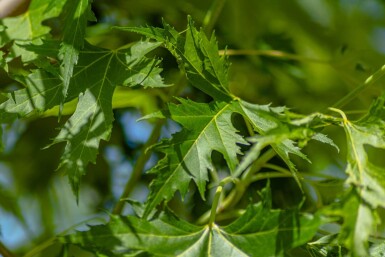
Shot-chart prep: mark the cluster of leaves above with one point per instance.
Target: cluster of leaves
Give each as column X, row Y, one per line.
column 57, row 73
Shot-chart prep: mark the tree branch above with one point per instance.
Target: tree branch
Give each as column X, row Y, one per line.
column 5, row 252
column 139, row 166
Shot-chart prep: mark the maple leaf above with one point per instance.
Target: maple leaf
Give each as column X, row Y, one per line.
column 208, row 72
column 207, row 127
column 367, row 179
column 196, row 54
column 28, row 27
column 76, row 14
column 359, row 222
column 271, row 232
column 281, row 134
column 95, row 77
column 41, row 92
column 101, row 71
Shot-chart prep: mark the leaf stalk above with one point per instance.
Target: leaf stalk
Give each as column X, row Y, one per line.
column 4, row 251
column 214, row 207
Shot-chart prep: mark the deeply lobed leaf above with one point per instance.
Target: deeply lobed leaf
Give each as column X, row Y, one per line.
column 28, row 27
column 207, row 127
column 75, row 14
column 188, row 153
column 101, row 71
column 95, row 77
column 260, row 231
column 367, row 179
column 196, row 54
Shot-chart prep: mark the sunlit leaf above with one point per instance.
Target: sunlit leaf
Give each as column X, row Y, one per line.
column 95, row 77
column 188, row 153
column 76, row 14
column 29, row 26
column 100, row 71
column 197, row 54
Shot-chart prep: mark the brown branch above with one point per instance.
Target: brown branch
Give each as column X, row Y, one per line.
column 270, row 53
column 5, row 252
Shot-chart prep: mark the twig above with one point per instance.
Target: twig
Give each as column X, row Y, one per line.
column 212, row 15
column 240, row 187
column 5, row 252
column 139, row 166
column 371, row 80
column 271, row 53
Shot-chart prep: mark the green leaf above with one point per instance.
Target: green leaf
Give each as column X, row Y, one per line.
column 187, row 157
column 207, row 127
column 197, row 54
column 41, row 92
column 359, row 221
column 76, row 14
column 326, row 246
column 281, row 138
column 258, row 232
column 377, row 250
column 367, row 177
column 95, row 77
column 101, row 71
column 28, row 27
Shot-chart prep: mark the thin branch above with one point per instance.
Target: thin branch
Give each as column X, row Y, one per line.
column 41, row 247
column 371, row 80
column 271, row 53
column 277, row 168
column 240, row 187
column 212, row 15
column 139, row 167
column 5, row 252
column 267, row 175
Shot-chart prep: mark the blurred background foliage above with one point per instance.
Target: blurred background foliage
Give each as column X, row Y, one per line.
column 304, row 54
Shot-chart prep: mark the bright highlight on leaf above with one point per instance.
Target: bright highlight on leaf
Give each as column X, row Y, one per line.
column 76, row 15
column 226, row 150
column 196, row 54
column 207, row 127
column 94, row 79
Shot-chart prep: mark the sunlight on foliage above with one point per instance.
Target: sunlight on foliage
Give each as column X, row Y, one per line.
column 264, row 137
